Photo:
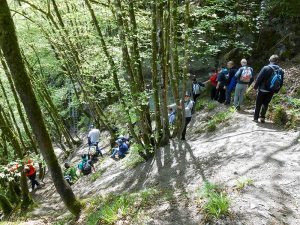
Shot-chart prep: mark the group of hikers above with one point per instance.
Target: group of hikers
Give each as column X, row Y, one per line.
column 229, row 79
column 86, row 165
column 223, row 81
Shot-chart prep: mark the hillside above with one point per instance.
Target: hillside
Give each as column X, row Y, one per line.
column 239, row 151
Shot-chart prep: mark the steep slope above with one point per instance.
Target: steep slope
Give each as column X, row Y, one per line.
column 244, row 150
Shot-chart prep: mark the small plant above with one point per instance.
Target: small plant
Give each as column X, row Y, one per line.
column 211, row 126
column 200, row 105
column 241, row 184
column 216, row 202
column 96, row 175
column 211, row 106
column 280, row 117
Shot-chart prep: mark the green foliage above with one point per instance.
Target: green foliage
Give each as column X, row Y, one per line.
column 112, row 208
column 201, row 104
column 216, row 202
column 212, row 105
column 95, row 176
column 219, row 118
column 280, row 116
column 134, row 159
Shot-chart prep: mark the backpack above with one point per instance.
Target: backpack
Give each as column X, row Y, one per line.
column 196, row 88
column 275, row 81
column 87, row 168
column 246, row 75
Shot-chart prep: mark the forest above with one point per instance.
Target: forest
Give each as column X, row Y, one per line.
column 75, row 74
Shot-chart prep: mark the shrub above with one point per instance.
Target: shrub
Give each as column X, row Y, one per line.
column 200, row 105
column 280, row 117
column 211, row 126
column 211, row 106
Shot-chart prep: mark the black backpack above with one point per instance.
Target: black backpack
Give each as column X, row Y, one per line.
column 86, row 168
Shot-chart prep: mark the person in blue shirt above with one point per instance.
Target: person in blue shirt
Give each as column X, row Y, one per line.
column 121, row 149
column 172, row 116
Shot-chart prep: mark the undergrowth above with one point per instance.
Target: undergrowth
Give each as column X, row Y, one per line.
column 243, row 183
column 133, row 159
column 215, row 201
column 112, row 208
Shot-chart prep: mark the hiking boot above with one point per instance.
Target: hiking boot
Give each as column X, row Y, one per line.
column 238, row 108
column 255, row 120
column 262, row 120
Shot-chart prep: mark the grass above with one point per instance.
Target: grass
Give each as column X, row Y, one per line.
column 242, row 184
column 211, row 105
column 216, row 202
column 219, row 118
column 108, row 210
column 133, row 159
column 95, row 176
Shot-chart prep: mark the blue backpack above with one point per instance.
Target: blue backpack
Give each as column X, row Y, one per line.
column 275, row 81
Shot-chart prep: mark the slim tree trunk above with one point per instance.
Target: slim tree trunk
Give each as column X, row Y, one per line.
column 12, row 54
column 155, row 84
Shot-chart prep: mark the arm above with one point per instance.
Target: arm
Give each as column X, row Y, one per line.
column 259, row 78
column 238, row 74
column 201, row 84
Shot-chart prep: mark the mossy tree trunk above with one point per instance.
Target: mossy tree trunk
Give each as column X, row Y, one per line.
column 12, row 54
column 5, row 205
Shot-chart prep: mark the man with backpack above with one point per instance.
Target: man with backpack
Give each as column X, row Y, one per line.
column 269, row 81
column 86, row 166
column 196, row 88
column 188, row 107
column 244, row 77
column 94, row 139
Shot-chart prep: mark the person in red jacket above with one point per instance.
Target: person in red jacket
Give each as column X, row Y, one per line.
column 30, row 172
column 214, row 94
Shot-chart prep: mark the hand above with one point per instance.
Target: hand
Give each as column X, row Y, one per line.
column 224, row 87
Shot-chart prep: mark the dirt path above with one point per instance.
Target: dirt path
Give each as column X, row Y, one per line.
column 243, row 150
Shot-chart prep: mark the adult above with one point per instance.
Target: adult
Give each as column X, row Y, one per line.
column 244, row 77
column 30, row 172
column 121, row 149
column 225, row 84
column 269, row 81
column 188, row 107
column 70, row 173
column 214, row 94
column 94, row 139
column 172, row 116
column 196, row 88
column 85, row 166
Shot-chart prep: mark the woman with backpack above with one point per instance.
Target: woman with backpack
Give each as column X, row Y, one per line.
column 85, row 167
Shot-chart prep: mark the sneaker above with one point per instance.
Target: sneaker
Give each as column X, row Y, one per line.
column 262, row 120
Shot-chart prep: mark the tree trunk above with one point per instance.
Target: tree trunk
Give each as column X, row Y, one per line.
column 5, row 205
column 155, row 83
column 11, row 51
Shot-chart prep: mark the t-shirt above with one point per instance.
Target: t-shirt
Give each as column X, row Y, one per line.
column 94, row 135
column 71, row 172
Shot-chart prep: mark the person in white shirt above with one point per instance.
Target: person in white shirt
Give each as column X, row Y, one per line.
column 188, row 107
column 94, row 139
